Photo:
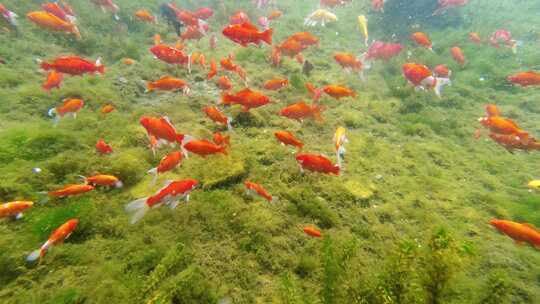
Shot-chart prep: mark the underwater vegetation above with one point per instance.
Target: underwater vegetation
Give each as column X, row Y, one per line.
column 406, row 221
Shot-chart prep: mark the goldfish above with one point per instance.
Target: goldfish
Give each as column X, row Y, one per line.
column 192, row 33
column 204, row 13
column 71, row 190
column 74, row 65
column 213, row 70
column 301, row 111
column 239, row 18
column 167, row 163
column 533, row 185
column 224, row 83
column 253, row 188
column 340, row 139
column 312, row 232
column 363, row 24
column 276, row 84
column 421, row 77
column 287, row 138
column 58, row 11
column 317, row 163
column 457, row 53
column 338, row 92
column 103, row 147
column 104, row 180
column 291, row 47
column 505, row 37
column 58, row 236
column 275, row 14
column 511, row 142
column 331, row 3
column 51, row 22
column 446, row 4
column 246, row 33
column 108, row 5
column 8, row 15
column 204, row 147
column 442, row 71
column 168, row 83
column 377, row 5
column 108, row 108
column 54, row 80
column 163, row 130
column 492, row 110
column 146, row 16
column 217, row 116
column 169, row 54
column 348, row 61
column 228, row 64
column 422, row 39
column 70, row 106
column 475, row 38
column 504, row 126
column 525, row 79
column 14, row 209
column 305, row 38
column 321, row 16
column 128, row 61
column 379, row 50
column 520, row 233
column 247, row 98
column 221, row 140
column 170, row 195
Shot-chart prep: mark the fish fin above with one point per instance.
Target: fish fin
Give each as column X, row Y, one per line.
column 118, row 184
column 139, row 208
column 34, row 255
column 223, row 150
column 174, row 204
column 229, row 126
column 187, row 198
column 519, row 243
column 76, row 32
column 154, row 172
column 274, row 200
column 19, row 216
column 531, row 226
column 149, row 87
column 439, row 84
column 266, row 36
column 52, row 112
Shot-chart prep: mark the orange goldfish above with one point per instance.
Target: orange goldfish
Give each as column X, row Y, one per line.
column 57, row 237
column 275, row 84
column 500, row 125
column 348, row 61
column 301, row 110
column 104, row 180
column 14, row 209
column 204, row 147
column 108, row 108
column 442, row 71
column 217, row 116
column 53, row 23
column 275, row 14
column 520, row 233
column 247, row 98
column 422, row 39
column 168, row 83
column 305, row 38
column 224, row 83
column 525, row 79
column 221, row 140
column 338, row 92
column 312, row 232
column 70, row 106
column 74, row 65
column 213, row 70
column 457, row 53
column 146, row 16
column 287, row 138
column 492, row 110
column 167, row 163
column 169, row 195
column 128, row 61
column 474, row 37
column 253, row 188
column 421, row 77
column 162, row 129
column 71, row 190
column 54, row 80
column 246, row 33
column 317, row 163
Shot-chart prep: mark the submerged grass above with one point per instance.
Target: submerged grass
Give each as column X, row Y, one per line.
column 412, row 167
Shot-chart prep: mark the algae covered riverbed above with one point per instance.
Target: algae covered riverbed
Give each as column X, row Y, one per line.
column 406, row 221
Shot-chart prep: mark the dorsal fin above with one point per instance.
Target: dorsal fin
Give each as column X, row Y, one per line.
column 249, row 26
column 531, row 226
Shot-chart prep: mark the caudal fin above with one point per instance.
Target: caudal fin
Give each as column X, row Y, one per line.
column 266, row 36
column 227, row 99
column 317, row 112
column 154, row 172
column 34, row 255
column 439, row 84
column 138, row 208
column 76, row 32
column 149, row 87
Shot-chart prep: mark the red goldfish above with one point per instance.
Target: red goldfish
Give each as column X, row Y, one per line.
column 348, row 61
column 312, row 232
column 247, row 98
column 54, row 80
column 511, row 142
column 69, row 107
column 58, row 11
column 169, row 54
column 162, row 129
column 457, row 53
column 422, row 39
column 104, row 180
column 421, row 77
column 382, row 50
column 253, row 188
column 57, row 237
column 74, row 65
column 317, row 163
column 103, row 147
column 287, row 138
column 14, row 209
column 213, row 70
column 291, row 48
column 377, row 5
column 525, row 79
column 167, row 163
column 338, row 92
column 71, row 190
column 193, row 33
column 503, row 36
column 169, row 195
column 146, row 16
column 168, row 83
column 442, row 71
column 221, row 140
column 520, row 233
column 204, row 147
column 246, row 33
column 301, row 110
column 217, row 116
column 51, row 22
column 224, row 83
column 275, row 84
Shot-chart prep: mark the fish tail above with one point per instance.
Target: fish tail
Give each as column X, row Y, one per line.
column 336, row 169
column 75, row 31
column 229, row 126
column 138, row 208
column 118, row 184
column 34, row 255
column 223, row 150
column 101, row 69
column 227, row 140
column 227, row 99
column 154, row 172
column 439, row 84
column 157, row 39
column 149, row 87
column 266, row 36
column 317, row 112
column 274, row 199
column 52, row 112
column 44, row 65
